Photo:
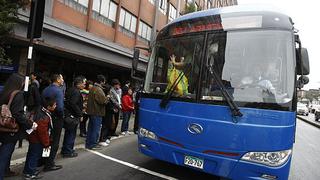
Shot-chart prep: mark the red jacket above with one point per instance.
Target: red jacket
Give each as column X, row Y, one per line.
column 41, row 134
column 127, row 103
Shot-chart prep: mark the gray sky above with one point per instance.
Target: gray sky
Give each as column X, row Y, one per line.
column 304, row 14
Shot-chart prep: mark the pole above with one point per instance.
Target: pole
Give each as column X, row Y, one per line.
column 30, row 49
column 155, row 22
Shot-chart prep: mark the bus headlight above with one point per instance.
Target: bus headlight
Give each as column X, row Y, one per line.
column 147, row 134
column 268, row 158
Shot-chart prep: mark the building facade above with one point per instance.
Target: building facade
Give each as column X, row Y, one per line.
column 91, row 37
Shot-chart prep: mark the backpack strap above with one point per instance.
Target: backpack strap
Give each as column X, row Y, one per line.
column 12, row 95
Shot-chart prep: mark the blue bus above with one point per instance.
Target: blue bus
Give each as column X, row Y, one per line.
column 220, row 93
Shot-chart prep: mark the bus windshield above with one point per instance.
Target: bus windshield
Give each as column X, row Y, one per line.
column 254, row 66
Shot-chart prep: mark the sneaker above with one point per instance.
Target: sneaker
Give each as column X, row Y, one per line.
column 104, row 144
column 123, row 133
column 108, row 141
column 29, row 176
column 96, row 147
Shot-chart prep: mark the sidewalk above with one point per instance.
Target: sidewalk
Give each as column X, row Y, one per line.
column 310, row 120
column 19, row 154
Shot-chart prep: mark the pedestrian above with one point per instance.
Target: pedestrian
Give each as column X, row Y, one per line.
column 96, row 110
column 115, row 99
column 54, row 91
column 13, row 90
column 73, row 111
column 105, row 137
column 127, row 109
column 125, row 87
column 39, row 140
column 33, row 95
column 136, row 100
column 83, row 123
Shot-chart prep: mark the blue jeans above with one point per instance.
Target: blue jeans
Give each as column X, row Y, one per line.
column 6, row 151
column 33, row 156
column 68, row 140
column 125, row 121
column 93, row 131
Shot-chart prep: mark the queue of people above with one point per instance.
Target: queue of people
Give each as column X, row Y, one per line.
column 95, row 106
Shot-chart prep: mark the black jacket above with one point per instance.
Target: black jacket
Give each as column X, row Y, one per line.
column 74, row 103
column 17, row 112
column 33, row 98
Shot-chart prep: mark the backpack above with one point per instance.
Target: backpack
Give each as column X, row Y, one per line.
column 7, row 122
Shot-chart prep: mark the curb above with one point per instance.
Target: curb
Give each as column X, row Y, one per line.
column 309, row 122
column 79, row 145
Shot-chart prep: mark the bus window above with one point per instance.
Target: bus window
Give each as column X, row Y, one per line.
column 252, row 66
column 173, row 58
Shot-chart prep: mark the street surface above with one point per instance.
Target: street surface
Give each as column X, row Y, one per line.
column 121, row 160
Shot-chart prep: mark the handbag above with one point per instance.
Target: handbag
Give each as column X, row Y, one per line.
column 7, row 122
column 71, row 122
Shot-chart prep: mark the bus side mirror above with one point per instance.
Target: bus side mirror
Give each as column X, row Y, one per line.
column 303, row 63
column 302, row 81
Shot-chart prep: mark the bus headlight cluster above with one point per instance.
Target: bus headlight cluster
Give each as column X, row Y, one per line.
column 268, row 158
column 147, row 134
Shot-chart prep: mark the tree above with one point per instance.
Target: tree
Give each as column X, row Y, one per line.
column 191, row 7
column 8, row 17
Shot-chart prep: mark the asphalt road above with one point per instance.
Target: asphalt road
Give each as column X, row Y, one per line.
column 121, row 160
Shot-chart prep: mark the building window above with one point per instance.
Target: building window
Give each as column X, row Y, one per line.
column 127, row 22
column 79, row 5
column 144, row 31
column 163, row 6
column 172, row 12
column 104, row 11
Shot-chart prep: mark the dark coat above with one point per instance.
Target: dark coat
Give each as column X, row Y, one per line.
column 33, row 97
column 17, row 112
column 97, row 101
column 74, row 103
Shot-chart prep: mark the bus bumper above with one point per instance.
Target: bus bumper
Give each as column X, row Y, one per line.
column 213, row 164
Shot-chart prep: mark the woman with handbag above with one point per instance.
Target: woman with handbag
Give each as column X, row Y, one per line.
column 13, row 90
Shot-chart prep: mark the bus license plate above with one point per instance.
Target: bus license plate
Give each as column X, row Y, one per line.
column 193, row 161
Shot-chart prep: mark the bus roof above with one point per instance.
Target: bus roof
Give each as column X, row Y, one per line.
column 228, row 18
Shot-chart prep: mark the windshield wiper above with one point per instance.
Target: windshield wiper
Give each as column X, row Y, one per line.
column 235, row 111
column 166, row 98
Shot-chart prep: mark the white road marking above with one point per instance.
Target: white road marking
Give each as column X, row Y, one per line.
column 132, row 165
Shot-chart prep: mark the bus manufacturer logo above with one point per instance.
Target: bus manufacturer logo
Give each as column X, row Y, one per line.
column 195, row 128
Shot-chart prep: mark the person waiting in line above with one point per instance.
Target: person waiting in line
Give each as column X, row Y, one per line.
column 115, row 99
column 73, row 110
column 83, row 123
column 13, row 89
column 96, row 110
column 39, row 140
column 127, row 109
column 125, row 87
column 104, row 139
column 54, row 91
column 33, row 95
